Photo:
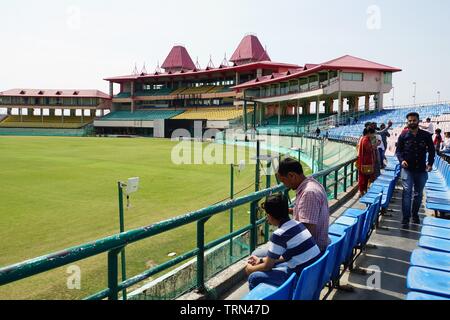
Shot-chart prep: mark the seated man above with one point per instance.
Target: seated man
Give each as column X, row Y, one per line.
column 311, row 204
column 291, row 247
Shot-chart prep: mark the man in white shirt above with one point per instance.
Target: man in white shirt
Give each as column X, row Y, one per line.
column 428, row 126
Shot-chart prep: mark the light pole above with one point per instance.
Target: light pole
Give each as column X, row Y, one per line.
column 439, row 97
column 393, row 96
column 415, row 92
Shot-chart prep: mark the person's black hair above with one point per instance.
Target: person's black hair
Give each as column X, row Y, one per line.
column 368, row 124
column 371, row 131
column 365, row 131
column 428, row 119
column 289, row 165
column 438, row 131
column 383, row 125
column 277, row 206
column 413, row 114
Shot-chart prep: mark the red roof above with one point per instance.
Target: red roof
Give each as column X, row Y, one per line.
column 250, row 50
column 207, row 72
column 55, row 93
column 345, row 62
column 178, row 58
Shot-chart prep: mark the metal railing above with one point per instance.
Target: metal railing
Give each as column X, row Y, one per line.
column 114, row 245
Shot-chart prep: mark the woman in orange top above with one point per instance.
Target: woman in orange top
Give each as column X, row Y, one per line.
column 365, row 161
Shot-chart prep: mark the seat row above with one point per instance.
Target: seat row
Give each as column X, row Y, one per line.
column 349, row 236
column 429, row 275
column 438, row 187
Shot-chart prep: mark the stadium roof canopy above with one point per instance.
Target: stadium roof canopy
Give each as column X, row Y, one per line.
column 55, row 93
column 346, row 62
column 249, row 56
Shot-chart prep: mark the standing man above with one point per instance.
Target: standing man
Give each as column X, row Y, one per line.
column 412, row 148
column 311, row 206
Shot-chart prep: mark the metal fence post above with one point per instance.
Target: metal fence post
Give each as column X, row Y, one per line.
column 336, row 178
column 268, row 184
column 113, row 270
column 231, row 210
column 353, row 173
column 345, row 178
column 201, row 255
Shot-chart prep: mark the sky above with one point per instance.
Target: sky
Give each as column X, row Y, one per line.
column 76, row 44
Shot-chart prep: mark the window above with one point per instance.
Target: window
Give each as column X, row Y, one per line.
column 352, row 76
column 388, row 78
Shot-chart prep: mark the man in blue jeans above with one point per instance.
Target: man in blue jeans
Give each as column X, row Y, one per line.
column 412, row 148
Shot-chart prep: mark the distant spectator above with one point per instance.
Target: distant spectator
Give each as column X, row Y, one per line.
column 375, row 139
column 412, row 149
column 428, row 126
column 438, row 140
column 291, row 247
column 446, row 144
column 384, row 133
column 318, row 132
column 366, row 161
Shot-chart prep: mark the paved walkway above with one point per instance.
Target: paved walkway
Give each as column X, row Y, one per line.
column 391, row 258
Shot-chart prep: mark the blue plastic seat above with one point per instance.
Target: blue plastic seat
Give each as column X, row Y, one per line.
column 429, row 281
column 435, row 222
column 309, row 280
column 268, row 292
column 341, row 253
column 440, row 233
column 361, row 215
column 333, row 264
column 350, row 221
column 431, row 259
column 412, row 296
column 434, row 244
column 349, row 231
column 438, row 207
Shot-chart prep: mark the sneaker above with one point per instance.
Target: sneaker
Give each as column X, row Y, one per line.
column 416, row 220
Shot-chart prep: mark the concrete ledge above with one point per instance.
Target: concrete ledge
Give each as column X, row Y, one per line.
column 220, row 284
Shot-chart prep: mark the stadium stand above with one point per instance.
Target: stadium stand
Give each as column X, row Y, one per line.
column 223, row 114
column 142, row 115
column 153, row 93
column 288, row 124
column 398, row 117
column 51, row 122
column 123, row 95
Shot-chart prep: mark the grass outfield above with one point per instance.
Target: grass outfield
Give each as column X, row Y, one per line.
column 62, row 192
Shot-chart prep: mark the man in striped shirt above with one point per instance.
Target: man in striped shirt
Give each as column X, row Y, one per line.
column 291, row 247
